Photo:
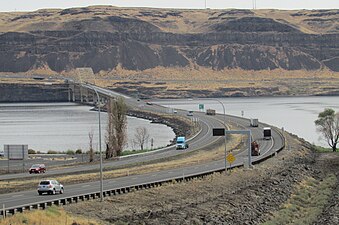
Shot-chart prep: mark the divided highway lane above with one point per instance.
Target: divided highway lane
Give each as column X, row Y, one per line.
column 203, row 139
column 30, row 197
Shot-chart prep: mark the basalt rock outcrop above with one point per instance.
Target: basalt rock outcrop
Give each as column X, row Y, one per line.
column 34, row 93
column 104, row 38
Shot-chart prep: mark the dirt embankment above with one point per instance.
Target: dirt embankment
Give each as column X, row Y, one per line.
column 241, row 197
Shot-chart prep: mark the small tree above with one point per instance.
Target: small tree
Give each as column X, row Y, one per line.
column 91, row 151
column 31, row 151
column 78, row 151
column 328, row 125
column 141, row 136
column 116, row 129
column 70, row 152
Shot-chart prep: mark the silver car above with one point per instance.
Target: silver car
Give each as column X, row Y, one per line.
column 50, row 187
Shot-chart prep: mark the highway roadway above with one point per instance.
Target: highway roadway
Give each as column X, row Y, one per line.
column 201, row 141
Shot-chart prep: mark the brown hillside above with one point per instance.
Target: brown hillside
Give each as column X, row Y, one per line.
column 151, row 43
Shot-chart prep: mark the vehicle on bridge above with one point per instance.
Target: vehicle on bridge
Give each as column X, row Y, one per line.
column 181, row 143
column 267, row 133
column 210, row 112
column 254, row 122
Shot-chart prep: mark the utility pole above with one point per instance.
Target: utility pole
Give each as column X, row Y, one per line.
column 254, row 4
column 225, row 127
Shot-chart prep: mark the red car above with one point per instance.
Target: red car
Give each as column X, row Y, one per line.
column 37, row 168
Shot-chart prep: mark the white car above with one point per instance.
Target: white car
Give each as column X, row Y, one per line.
column 50, row 187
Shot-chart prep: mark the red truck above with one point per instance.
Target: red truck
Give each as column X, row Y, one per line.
column 255, row 150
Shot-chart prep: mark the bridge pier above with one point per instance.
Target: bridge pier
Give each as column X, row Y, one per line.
column 84, row 95
column 71, row 95
column 81, row 96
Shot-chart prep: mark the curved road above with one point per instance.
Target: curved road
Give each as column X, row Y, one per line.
column 201, row 141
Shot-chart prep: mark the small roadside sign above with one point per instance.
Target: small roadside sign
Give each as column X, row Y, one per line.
column 218, row 131
column 230, row 158
column 201, row 106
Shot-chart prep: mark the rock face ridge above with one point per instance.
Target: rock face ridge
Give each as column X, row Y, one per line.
column 104, row 38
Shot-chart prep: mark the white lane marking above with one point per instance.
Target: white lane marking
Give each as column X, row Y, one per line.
column 15, row 196
column 134, row 178
column 169, row 172
column 153, row 175
column 87, row 185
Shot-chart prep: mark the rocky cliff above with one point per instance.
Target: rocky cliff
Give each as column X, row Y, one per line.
column 33, row 93
column 105, row 38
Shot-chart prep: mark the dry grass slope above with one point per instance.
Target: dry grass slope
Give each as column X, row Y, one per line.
column 51, row 216
column 306, row 202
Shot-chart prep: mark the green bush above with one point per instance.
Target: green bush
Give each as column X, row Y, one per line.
column 52, row 152
column 320, row 149
column 78, row 151
column 70, row 152
column 31, row 151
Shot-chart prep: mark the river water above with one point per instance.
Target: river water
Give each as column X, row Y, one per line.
column 295, row 114
column 64, row 126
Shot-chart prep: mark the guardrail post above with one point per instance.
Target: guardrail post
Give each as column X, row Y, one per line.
column 3, row 211
column 12, row 211
column 43, row 205
column 56, row 202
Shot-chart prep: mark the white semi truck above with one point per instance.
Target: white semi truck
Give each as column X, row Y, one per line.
column 181, row 143
column 267, row 133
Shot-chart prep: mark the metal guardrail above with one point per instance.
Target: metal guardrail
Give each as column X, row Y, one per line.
column 84, row 197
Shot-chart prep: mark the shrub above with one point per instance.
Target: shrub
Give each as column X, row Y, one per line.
column 31, row 151
column 78, row 151
column 52, row 152
column 70, row 152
